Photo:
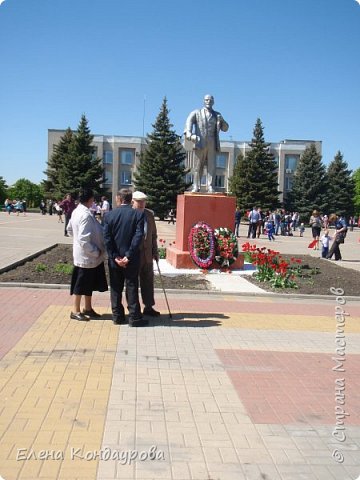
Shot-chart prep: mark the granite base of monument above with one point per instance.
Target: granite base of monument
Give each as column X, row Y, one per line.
column 216, row 209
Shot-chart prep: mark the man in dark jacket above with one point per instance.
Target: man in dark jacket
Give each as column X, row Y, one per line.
column 123, row 234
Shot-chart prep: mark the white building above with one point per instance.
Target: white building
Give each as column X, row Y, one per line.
column 121, row 157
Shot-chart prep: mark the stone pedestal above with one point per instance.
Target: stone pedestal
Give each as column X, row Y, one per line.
column 217, row 210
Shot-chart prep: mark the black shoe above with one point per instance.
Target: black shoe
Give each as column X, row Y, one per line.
column 79, row 316
column 119, row 321
column 139, row 323
column 91, row 313
column 151, row 312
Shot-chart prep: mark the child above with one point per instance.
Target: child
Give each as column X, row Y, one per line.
column 325, row 240
column 270, row 230
column 59, row 212
column 302, row 230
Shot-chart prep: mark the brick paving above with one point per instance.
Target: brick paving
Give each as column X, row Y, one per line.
column 231, row 388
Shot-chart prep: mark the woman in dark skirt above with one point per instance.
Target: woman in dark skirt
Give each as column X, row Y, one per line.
column 88, row 252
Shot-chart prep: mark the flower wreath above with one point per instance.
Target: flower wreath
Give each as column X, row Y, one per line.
column 202, row 245
column 226, row 247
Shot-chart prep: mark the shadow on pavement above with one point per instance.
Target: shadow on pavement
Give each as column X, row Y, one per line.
column 180, row 319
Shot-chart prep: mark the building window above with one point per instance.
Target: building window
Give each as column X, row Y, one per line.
column 108, row 177
column 126, row 157
column 219, row 181
column 288, row 184
column 221, row 160
column 189, row 178
column 94, row 153
column 125, row 178
column 108, row 157
column 291, row 162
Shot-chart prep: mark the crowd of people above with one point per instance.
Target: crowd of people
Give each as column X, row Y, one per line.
column 15, row 206
column 129, row 237
column 282, row 222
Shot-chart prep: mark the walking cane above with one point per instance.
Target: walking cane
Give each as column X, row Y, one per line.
column 162, row 285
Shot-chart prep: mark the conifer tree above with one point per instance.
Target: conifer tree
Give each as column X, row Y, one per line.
column 52, row 185
column 356, row 179
column 310, row 185
column 3, row 190
column 341, row 187
column 73, row 164
column 239, row 182
column 254, row 181
column 161, row 173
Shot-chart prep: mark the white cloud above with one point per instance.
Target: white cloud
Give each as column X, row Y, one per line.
column 358, row 1
column 2, row 1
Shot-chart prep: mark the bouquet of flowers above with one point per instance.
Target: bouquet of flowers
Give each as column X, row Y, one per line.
column 226, row 247
column 202, row 245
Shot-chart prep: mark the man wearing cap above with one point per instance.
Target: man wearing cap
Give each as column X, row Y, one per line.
column 148, row 253
column 123, row 234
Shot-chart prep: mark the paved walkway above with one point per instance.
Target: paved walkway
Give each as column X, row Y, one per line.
column 232, row 388
column 23, row 236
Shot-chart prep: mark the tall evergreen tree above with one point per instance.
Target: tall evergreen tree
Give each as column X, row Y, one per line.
column 356, row 179
column 73, row 164
column 161, row 173
column 341, row 187
column 52, row 185
column 239, row 184
column 3, row 190
column 310, row 185
column 254, row 181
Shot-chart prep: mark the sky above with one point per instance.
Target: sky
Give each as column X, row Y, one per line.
column 295, row 64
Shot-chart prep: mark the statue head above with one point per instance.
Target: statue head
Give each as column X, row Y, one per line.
column 208, row 101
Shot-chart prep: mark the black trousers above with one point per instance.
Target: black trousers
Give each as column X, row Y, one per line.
column 118, row 278
column 334, row 250
column 67, row 220
column 252, row 230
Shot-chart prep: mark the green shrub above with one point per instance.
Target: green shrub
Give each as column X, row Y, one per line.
column 63, row 268
column 40, row 267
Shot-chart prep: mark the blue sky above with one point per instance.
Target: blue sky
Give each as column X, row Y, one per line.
column 293, row 63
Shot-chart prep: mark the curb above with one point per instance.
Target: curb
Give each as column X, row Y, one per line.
column 26, row 259
column 179, row 291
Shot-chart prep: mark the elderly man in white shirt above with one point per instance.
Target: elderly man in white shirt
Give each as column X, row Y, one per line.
column 88, row 252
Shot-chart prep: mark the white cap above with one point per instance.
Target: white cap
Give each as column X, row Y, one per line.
column 139, row 196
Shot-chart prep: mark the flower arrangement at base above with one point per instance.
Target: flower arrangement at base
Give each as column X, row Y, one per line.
column 202, row 245
column 226, row 248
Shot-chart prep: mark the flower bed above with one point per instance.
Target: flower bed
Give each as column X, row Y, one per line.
column 272, row 267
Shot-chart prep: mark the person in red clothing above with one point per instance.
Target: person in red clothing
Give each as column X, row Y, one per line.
column 67, row 206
